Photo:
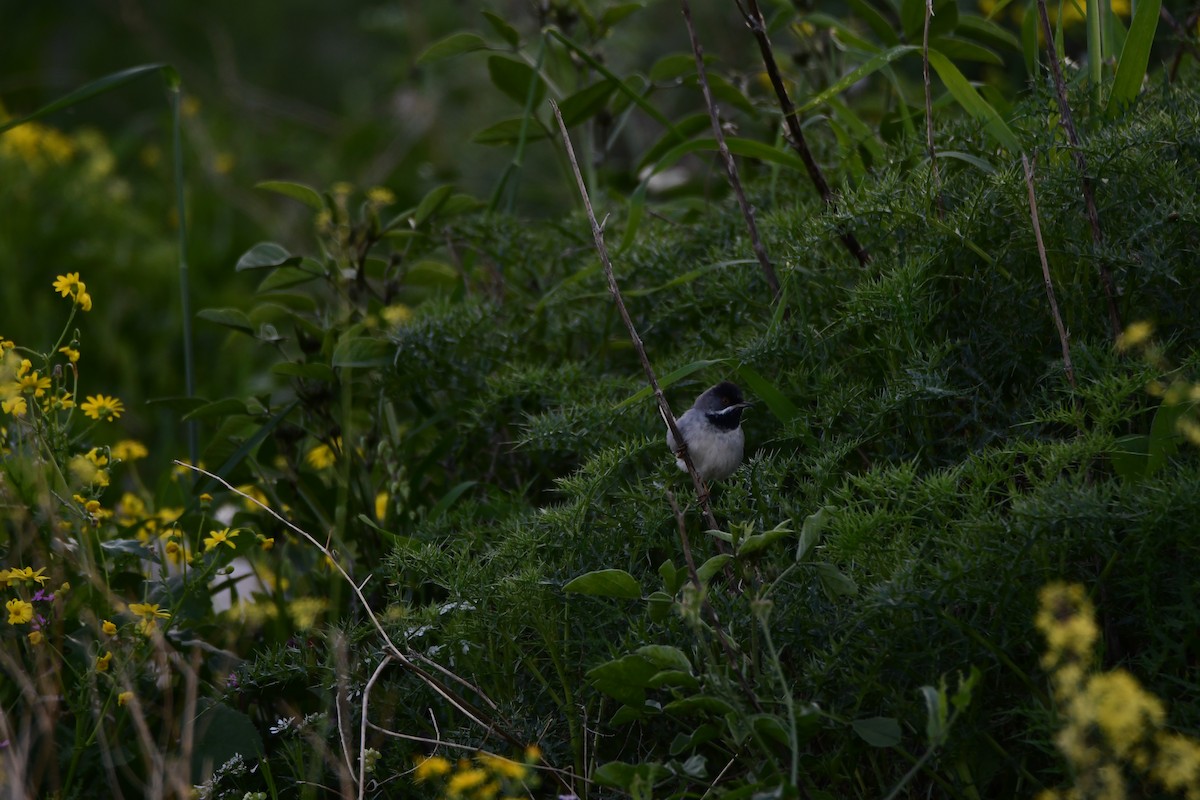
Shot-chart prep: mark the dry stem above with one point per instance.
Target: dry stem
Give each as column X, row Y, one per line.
column 758, row 26
column 933, row 165
column 730, row 165
column 1063, row 337
column 1089, row 200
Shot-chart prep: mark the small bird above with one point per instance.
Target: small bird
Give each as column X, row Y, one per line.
column 713, row 432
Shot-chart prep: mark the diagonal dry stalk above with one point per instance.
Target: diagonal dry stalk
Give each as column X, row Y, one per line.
column 730, row 165
column 1064, row 338
column 758, row 26
column 663, row 407
column 1089, row 200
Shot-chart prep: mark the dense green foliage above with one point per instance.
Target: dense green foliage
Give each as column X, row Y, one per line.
column 433, row 392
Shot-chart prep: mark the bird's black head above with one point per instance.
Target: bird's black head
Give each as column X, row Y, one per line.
column 722, row 405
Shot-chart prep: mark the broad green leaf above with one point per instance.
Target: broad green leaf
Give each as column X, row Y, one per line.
column 436, row 274
column 698, row 704
column 1135, row 55
column 431, row 203
column 220, row 733
column 880, row 25
column 972, row 103
column 974, row 160
column 509, row 131
column 674, row 678
column 675, row 65
column 361, row 351
column 264, row 255
column 634, row 779
column 501, row 26
column 614, row 14
column 665, row 381
column 665, row 657
column 1165, row 436
column 959, row 50
column 878, row 731
column 758, row 542
column 673, row 576
column 712, row 566
column 89, row 90
column 229, row 317
column 780, row 404
column 286, row 277
column 606, row 583
column 659, row 606
column 297, row 191
column 515, row 78
column 624, row 678
column 129, row 547
column 834, row 582
column 810, row 532
column 587, row 102
column 453, row 45
column 986, row 32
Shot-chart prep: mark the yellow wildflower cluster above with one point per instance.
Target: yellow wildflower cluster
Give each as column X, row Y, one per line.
column 1113, row 727
column 69, row 285
column 1178, row 393
column 149, row 613
column 485, row 777
column 37, row 145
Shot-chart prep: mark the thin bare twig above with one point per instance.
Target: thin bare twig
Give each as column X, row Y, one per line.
column 758, row 26
column 1089, row 200
column 663, row 407
column 730, row 165
column 933, row 165
column 1063, row 337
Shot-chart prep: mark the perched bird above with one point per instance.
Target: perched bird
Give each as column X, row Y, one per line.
column 712, row 430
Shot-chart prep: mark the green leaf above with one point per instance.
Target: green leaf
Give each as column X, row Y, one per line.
column 986, row 32
column 229, row 317
column 625, row 679
column 936, row 713
column 218, row 408
column 129, row 547
column 436, row 274
column 500, row 25
column 810, row 532
column 665, row 381
column 674, row 678
column 1135, row 55
column 674, row 66
column 758, row 542
column 264, row 255
column 297, row 191
column 712, row 566
column 959, row 50
column 868, row 67
column 449, row 499
column 431, row 203
column 880, row 25
column 508, row 132
column 87, row 91
column 834, row 582
column 587, row 102
column 286, row 277
column 514, row 78
column 637, row 780
column 453, row 45
column 313, row 372
column 698, row 704
column 614, row 14
column 219, row 733
column 665, row 657
column 673, row 577
column 973, row 103
column 606, row 583
column 878, row 731
column 780, row 405
column 659, row 605
column 362, row 351
column 975, row 161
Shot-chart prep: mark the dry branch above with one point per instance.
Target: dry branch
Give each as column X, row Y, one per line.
column 1063, row 337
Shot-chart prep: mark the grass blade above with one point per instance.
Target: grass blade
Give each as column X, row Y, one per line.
column 1135, row 55
column 87, row 91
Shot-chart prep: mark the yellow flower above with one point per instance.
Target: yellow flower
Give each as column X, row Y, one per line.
column 254, row 494
column 431, row 767
column 381, row 505
column 85, row 471
column 109, row 628
column 267, row 542
column 396, row 314
column 66, row 284
column 103, row 662
column 71, row 353
column 6, row 345
column 33, row 383
column 503, row 767
column 343, row 188
column 381, row 196
column 85, row 301
column 36, row 637
column 96, row 457
column 19, row 612
column 124, row 698
column 102, row 406
column 15, row 405
column 1178, row 764
column 464, row 780
column 323, row 456
column 1136, row 333
column 129, row 450
column 29, row 574
column 221, row 537
column 148, row 610
column 1067, row 620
